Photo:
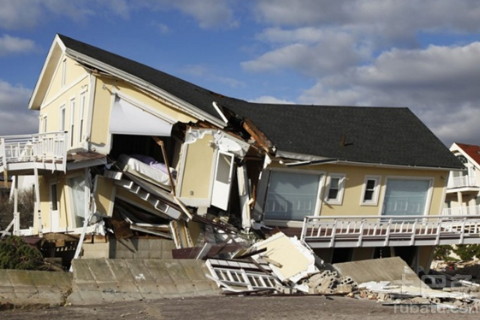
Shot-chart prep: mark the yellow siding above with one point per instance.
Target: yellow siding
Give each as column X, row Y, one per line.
column 104, row 195
column 73, row 73
column 355, row 179
column 100, row 135
column 61, row 96
column 197, row 171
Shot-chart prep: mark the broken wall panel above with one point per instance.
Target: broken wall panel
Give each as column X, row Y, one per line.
column 289, row 259
column 196, row 172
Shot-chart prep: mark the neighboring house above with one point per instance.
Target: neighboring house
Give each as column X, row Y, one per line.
column 463, row 189
column 352, row 182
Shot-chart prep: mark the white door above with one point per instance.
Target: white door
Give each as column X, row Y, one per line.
column 54, row 213
column 223, row 180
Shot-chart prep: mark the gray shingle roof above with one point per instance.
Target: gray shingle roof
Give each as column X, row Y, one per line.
column 393, row 136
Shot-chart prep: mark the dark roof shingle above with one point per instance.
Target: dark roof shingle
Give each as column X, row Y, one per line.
column 393, row 136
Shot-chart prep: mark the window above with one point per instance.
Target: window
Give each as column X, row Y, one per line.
column 62, row 118
column 83, row 99
column 370, row 191
column 43, row 126
column 335, row 189
column 77, row 186
column 406, row 196
column 291, row 195
column 72, row 121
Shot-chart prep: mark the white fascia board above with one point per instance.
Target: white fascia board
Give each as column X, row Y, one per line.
column 299, row 156
column 394, row 166
column 173, row 100
column 307, row 158
column 56, row 42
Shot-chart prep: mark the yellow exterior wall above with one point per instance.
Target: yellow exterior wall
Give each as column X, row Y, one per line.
column 65, row 202
column 104, row 195
column 73, row 73
column 354, row 184
column 198, row 167
column 103, row 99
column 59, row 96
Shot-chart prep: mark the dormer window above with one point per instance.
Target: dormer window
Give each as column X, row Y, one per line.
column 462, row 159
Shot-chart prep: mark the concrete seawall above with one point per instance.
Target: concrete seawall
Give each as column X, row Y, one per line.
column 109, row 280
column 95, row 281
column 24, row 287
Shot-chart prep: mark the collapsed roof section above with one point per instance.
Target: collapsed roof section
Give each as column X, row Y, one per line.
column 365, row 135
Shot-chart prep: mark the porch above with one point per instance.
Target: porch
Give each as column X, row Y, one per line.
column 462, row 210
column 462, row 183
column 383, row 231
column 47, row 151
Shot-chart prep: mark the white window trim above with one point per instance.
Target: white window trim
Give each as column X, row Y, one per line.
column 263, row 190
column 428, row 202
column 376, row 191
column 341, row 188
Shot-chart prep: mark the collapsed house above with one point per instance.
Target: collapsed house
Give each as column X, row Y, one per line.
column 125, row 149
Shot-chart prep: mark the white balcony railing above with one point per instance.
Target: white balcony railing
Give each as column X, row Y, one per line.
column 462, row 211
column 368, row 231
column 46, row 148
column 463, row 181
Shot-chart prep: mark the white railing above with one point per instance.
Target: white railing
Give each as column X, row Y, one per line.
column 358, row 231
column 463, row 181
column 44, row 147
column 462, row 211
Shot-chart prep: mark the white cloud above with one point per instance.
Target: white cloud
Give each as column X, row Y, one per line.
column 270, row 99
column 390, row 18
column 331, row 52
column 14, row 111
column 20, row 14
column 440, row 84
column 208, row 13
column 9, row 44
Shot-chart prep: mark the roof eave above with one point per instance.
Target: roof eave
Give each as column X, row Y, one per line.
column 316, row 160
column 39, row 91
column 174, row 100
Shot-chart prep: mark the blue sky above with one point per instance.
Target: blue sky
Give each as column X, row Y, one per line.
column 424, row 55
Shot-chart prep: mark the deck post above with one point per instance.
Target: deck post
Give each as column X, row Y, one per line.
column 38, row 210
column 16, row 214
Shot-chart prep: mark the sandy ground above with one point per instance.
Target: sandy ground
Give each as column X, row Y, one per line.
column 236, row 307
